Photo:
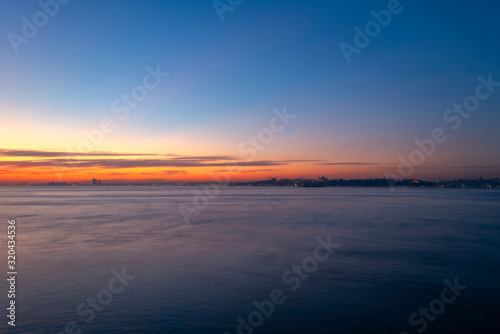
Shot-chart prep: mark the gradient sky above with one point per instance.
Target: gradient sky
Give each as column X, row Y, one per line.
column 353, row 120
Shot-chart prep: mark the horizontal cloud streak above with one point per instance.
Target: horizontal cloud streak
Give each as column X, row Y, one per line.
column 346, row 163
column 55, row 154
column 249, row 171
column 106, row 160
column 128, row 163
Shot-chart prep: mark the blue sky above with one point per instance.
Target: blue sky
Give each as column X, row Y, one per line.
column 227, row 76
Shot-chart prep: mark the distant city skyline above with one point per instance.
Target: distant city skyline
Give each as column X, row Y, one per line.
column 322, row 181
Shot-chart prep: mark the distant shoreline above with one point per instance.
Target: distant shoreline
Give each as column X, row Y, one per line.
column 300, row 183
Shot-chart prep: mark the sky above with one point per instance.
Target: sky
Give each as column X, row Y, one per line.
column 245, row 90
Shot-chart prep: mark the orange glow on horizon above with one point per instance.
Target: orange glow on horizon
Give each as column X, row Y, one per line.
column 230, row 173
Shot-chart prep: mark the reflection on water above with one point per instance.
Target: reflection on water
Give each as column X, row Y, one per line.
column 396, row 250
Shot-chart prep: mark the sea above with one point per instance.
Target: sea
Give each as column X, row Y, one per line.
column 251, row 260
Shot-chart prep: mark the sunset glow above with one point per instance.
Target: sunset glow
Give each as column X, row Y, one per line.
column 183, row 108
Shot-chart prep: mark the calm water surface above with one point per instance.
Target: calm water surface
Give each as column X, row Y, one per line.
column 396, row 249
